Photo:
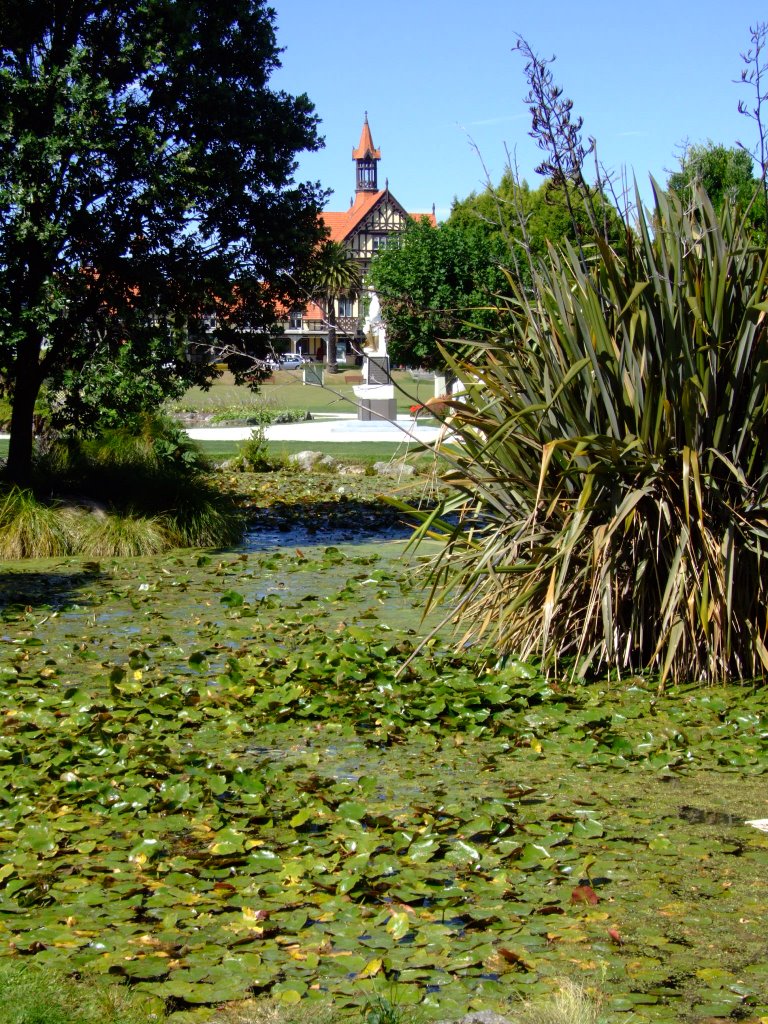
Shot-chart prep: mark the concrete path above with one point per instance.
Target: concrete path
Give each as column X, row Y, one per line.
column 324, row 429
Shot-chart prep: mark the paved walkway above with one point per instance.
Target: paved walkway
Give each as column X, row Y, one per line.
column 323, row 429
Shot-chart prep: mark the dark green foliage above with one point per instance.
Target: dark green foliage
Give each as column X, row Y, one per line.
column 437, row 283
column 147, row 468
column 153, row 446
column 529, row 220
column 146, row 180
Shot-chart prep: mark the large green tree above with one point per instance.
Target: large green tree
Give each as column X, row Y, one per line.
column 437, row 284
column 529, row 220
column 442, row 283
column 146, row 181
column 725, row 173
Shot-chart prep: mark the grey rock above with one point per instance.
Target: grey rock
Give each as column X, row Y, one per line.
column 393, row 469
column 306, row 460
column 480, row 1017
column 80, row 504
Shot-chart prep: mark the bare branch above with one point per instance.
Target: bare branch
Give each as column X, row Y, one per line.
column 755, row 75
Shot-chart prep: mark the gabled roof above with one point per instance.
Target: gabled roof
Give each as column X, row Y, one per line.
column 342, row 224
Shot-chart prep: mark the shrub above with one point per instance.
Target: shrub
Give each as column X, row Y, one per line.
column 612, row 484
column 253, row 454
column 153, row 444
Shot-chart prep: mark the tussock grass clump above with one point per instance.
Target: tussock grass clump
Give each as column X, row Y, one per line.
column 120, row 535
column 154, row 481
column 569, row 1004
column 31, row 529
column 203, row 519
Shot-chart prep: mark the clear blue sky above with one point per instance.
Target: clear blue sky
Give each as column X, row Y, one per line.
column 441, row 84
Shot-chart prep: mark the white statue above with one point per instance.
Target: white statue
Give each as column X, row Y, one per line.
column 375, row 401
column 374, row 329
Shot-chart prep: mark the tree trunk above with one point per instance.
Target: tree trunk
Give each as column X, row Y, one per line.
column 26, row 389
column 330, row 355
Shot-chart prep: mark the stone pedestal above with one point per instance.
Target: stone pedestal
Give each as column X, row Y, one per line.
column 371, row 408
column 376, row 397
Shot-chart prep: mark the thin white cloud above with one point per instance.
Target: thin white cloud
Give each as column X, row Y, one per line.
column 486, row 121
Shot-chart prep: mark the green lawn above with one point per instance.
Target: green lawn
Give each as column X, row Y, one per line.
column 286, row 391
column 345, row 451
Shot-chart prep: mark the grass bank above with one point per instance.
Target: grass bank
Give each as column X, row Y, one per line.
column 347, row 451
column 353, row 451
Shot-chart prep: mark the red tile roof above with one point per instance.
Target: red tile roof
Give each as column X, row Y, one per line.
column 342, row 224
column 314, row 312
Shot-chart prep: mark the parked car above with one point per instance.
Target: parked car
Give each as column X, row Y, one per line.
column 286, row 362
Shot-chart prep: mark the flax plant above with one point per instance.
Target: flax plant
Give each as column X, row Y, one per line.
column 609, row 502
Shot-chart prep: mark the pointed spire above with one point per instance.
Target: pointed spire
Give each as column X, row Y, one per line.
column 366, row 150
column 366, row 157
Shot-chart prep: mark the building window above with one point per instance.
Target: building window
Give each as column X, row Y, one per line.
column 294, row 321
column 381, row 242
column 345, row 307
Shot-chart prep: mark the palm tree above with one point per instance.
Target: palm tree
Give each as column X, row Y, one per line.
column 334, row 274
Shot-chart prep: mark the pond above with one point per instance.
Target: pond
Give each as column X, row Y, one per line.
column 233, row 772
column 358, row 531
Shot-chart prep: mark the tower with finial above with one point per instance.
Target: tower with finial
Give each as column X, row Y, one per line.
column 374, row 219
column 366, row 158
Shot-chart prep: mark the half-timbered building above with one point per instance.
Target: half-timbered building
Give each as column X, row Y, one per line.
column 374, row 218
